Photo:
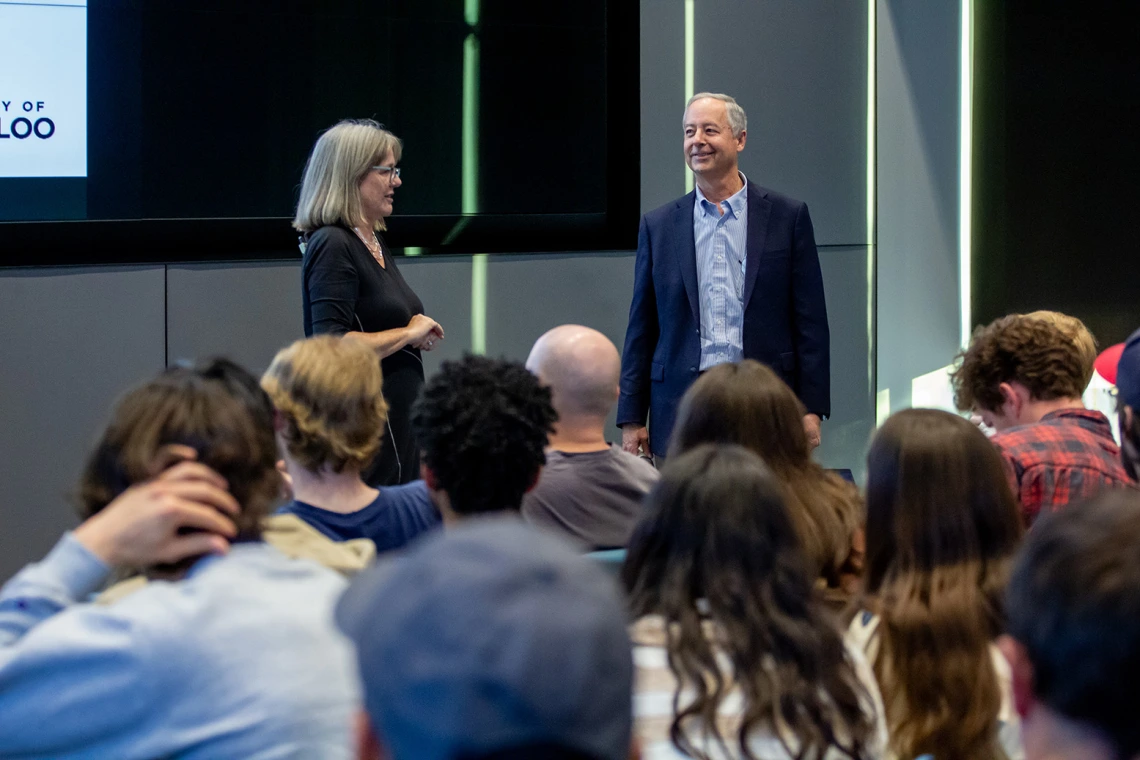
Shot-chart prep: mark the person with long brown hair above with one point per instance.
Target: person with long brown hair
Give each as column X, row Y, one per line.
column 736, row 656
column 942, row 526
column 748, row 404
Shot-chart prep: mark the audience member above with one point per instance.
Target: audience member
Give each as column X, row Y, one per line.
column 1073, row 609
column 1025, row 376
column 235, row 655
column 735, row 654
column 482, row 425
column 748, row 404
column 1128, row 401
column 942, row 526
column 1079, row 334
column 589, row 490
column 329, row 423
column 491, row 640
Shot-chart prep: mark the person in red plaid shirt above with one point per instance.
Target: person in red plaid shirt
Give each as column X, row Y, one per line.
column 1025, row 375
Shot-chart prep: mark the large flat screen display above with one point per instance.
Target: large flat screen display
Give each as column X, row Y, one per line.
column 151, row 130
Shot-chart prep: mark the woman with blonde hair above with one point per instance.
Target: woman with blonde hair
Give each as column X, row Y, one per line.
column 350, row 282
column 748, row 404
column 942, row 526
column 330, row 417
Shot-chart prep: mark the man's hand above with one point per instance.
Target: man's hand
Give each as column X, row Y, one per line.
column 145, row 525
column 635, row 439
column 811, row 427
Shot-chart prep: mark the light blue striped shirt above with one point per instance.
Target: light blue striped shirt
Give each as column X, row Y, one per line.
column 722, row 255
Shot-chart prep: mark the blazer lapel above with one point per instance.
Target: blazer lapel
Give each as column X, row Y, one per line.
column 686, row 247
column 759, row 208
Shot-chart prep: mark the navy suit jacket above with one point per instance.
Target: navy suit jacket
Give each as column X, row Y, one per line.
column 785, row 316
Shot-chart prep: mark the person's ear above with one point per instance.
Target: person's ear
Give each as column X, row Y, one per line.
column 1022, row 674
column 367, row 744
column 1011, row 402
column 740, row 141
column 278, row 421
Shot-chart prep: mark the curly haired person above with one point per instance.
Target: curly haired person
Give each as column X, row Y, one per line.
column 483, row 425
column 1025, row 375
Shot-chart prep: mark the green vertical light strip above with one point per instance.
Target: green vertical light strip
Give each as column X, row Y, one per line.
column 690, row 64
column 965, row 169
column 471, row 124
column 872, row 52
column 470, row 180
column 479, row 304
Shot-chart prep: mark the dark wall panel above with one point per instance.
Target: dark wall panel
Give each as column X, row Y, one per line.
column 799, row 69
column 1055, row 163
column 531, row 294
column 443, row 283
column 72, row 340
column 243, row 311
column 846, row 433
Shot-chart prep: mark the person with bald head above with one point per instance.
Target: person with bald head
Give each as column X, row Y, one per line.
column 589, row 490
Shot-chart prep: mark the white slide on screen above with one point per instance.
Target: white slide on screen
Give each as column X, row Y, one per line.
column 43, row 89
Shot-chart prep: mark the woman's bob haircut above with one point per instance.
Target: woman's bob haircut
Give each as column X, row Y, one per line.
column 330, row 188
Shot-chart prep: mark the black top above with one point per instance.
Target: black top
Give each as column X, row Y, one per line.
column 344, row 289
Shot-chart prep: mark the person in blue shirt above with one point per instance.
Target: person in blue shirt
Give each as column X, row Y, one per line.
column 330, row 418
column 229, row 651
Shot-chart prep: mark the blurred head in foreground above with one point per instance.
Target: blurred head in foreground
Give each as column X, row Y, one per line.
column 214, row 412
column 1073, row 608
column 492, row 639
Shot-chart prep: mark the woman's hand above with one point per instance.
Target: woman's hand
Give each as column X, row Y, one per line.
column 424, row 332
column 185, row 511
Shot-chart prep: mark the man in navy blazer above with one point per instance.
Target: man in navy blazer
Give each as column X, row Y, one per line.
column 728, row 272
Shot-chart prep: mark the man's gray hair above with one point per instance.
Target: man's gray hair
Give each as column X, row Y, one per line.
column 737, row 119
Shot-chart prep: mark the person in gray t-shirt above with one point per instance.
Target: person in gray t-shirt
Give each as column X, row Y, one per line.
column 589, row 490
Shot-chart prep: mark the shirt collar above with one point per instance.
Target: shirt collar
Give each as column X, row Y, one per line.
column 736, row 202
column 1090, row 419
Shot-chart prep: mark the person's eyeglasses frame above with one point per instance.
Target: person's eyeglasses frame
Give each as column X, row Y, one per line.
column 393, row 172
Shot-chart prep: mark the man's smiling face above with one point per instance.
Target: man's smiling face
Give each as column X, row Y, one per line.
column 710, row 147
